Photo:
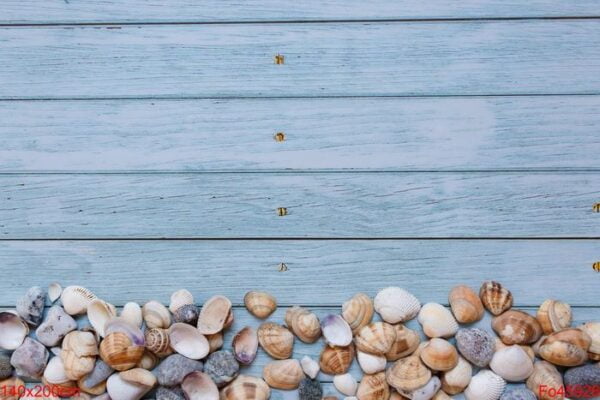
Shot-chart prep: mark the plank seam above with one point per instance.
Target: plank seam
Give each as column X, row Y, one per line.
column 304, row 239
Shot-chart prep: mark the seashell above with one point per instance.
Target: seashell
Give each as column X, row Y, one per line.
column 336, row 330
column 222, row 367
column 260, row 304
column 158, row 342
column 358, row 311
column 199, row 386
column 370, row 363
column 373, row 387
column 188, row 341
column 276, row 340
column 54, row 328
column 519, row 394
column 465, row 304
column 426, row 391
column 476, row 345
column 76, row 367
column 437, row 321
column 376, row 338
column 517, row 327
column 567, row 348
column 495, row 298
column 310, row 367
column 119, row 324
column 132, row 313
column 457, row 379
column 120, row 352
column 395, row 305
column 99, row 375
column 148, row 361
column 593, row 331
column 405, row 344
column 545, row 375
column 304, row 324
column 440, row 395
column 228, row 321
column 180, row 298
column 408, row 374
column 30, row 359
column 527, row 349
column 66, row 389
column 214, row 315
column 156, row 315
column 99, row 313
column 283, row 374
column 246, row 387
column 485, row 385
column 30, row 307
column 54, row 291
column 187, row 314
column 336, row 360
column 245, row 345
column 439, row 355
column 554, row 316
column 55, row 372
column 394, row 396
column 130, row 385
column 13, row 331
column 11, row 388
column 174, row 368
column 6, row 370
column 512, row 364
column 79, row 351
column 75, row 299
column 345, row 384
column 215, row 342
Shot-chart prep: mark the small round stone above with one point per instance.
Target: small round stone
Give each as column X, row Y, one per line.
column 222, row 367
column 172, row 393
column 584, row 376
column 476, row 345
column 310, row 389
column 172, row 370
column 31, row 306
column 187, row 314
column 519, row 394
column 6, row 370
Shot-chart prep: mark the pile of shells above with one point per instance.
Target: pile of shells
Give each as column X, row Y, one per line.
column 85, row 346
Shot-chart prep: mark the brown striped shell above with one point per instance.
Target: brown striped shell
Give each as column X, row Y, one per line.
column 260, row 304
column 336, row 360
column 304, row 324
column 517, row 327
column 157, row 341
column 276, row 340
column 406, row 342
column 358, row 311
column 495, row 298
column 246, row 387
column 465, row 304
column 567, row 348
column 283, row 374
column 118, row 351
column 373, row 387
column 554, row 315
column 408, row 374
column 376, row 338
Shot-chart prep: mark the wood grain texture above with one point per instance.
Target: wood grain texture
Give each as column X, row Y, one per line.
column 334, row 205
column 89, row 11
column 323, row 273
column 207, row 135
column 356, row 59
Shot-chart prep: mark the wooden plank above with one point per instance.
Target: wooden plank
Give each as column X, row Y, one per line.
column 356, row 59
column 332, row 205
column 323, row 273
column 405, row 134
column 89, row 11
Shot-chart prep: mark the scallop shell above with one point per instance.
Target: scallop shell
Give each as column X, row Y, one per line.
column 437, row 321
column 405, row 344
column 276, row 340
column 215, row 342
column 546, row 375
column 245, row 345
column 283, row 374
column 439, row 355
column 358, row 311
column 517, row 327
column 310, row 367
column 485, row 385
column 132, row 313
column 75, row 299
column 457, row 379
column 120, row 352
column 408, row 374
column 180, row 298
column 188, row 341
column 593, row 331
column 148, row 361
column 465, row 304
column 336, row 360
column 54, row 291
column 260, row 304
column 214, row 315
column 13, row 331
column 568, row 348
column 158, row 342
column 495, row 298
column 512, row 364
column 336, row 330
column 345, row 384
column 376, row 338
column 55, row 371
column 395, row 305
column 156, row 315
column 99, row 313
column 426, row 391
column 554, row 315
column 199, row 386
column 370, row 363
column 246, row 387
column 304, row 324
column 130, row 385
column 373, row 387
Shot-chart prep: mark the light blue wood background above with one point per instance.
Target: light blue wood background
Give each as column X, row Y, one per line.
column 426, row 144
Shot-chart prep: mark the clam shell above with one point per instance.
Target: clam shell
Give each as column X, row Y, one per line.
column 246, row 387
column 512, row 364
column 437, row 321
column 336, row 330
column 336, row 360
column 485, row 385
column 465, row 304
column 440, row 395
column 373, row 387
column 13, row 331
column 457, row 379
column 148, row 361
column 99, row 313
column 260, row 304
column 439, row 355
column 245, row 345
column 54, row 291
column 283, row 374
column 158, row 342
column 75, row 299
column 215, row 342
column 408, row 374
column 180, row 298
column 547, row 376
column 526, row 349
column 120, row 352
column 376, row 338
column 310, row 367
column 426, row 391
column 345, row 384
column 567, row 348
column 517, row 327
column 199, row 386
column 188, row 341
column 276, row 340
column 132, row 313
column 406, row 342
column 214, row 315
column 370, row 363
column 593, row 331
column 156, row 315
column 55, row 371
column 304, row 324
column 495, row 298
column 554, row 316
column 395, row 305
column 358, row 311
column 130, row 385
column 118, row 324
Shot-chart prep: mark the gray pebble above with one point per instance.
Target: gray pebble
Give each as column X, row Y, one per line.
column 30, row 359
column 172, row 370
column 166, row 393
column 519, row 394
column 579, row 378
column 187, row 314
column 99, row 374
column 222, row 367
column 31, row 306
column 310, row 389
column 55, row 327
column 476, row 345
column 6, row 370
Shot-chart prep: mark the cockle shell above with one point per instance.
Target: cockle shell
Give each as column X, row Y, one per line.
column 55, row 371
column 260, row 304
column 395, row 305
column 276, row 340
column 545, row 375
column 485, row 385
column 158, row 342
column 376, row 338
column 512, row 364
column 132, row 313
column 439, row 355
column 30, row 306
column 30, row 359
column 180, row 298
column 437, row 321
column 79, row 351
column 245, row 345
column 517, row 327
column 99, row 313
column 199, row 386
column 283, row 374
column 408, row 374
column 188, row 341
column 310, row 367
column 214, row 315
column 120, row 352
column 303, row 323
column 426, row 391
column 54, row 291
column 593, row 331
column 336, row 360
column 405, row 344
column 457, row 379
column 215, row 341
column 554, row 315
column 527, row 349
column 358, row 311
column 371, row 363
column 336, row 330
column 567, row 348
column 75, row 299
column 156, row 315
column 495, row 298
column 13, row 331
column 246, row 387
column 476, row 345
column 373, row 387
column 345, row 384
column 465, row 304
column 130, row 385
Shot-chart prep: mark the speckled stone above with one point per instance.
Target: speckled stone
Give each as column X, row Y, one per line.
column 187, row 314
column 55, row 327
column 31, row 306
column 586, row 375
column 30, row 359
column 172, row 370
column 310, row 389
column 476, row 345
column 172, row 393
column 6, row 370
column 222, row 367
column 519, row 394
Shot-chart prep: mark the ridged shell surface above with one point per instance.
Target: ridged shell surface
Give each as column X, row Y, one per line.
column 358, row 311
column 485, row 385
column 396, row 305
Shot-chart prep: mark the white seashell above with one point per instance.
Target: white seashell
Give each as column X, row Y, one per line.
column 55, row 372
column 13, row 330
column 370, row 363
column 54, row 291
column 310, row 367
column 56, row 351
column 199, row 386
column 336, row 330
column 426, row 391
column 75, row 299
column 395, row 305
column 512, row 363
column 485, row 385
column 350, row 398
column 214, row 315
column 457, row 379
column 132, row 313
column 156, row 315
column 188, row 341
column 437, row 321
column 345, row 384
column 179, row 299
column 130, row 385
column 99, row 313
